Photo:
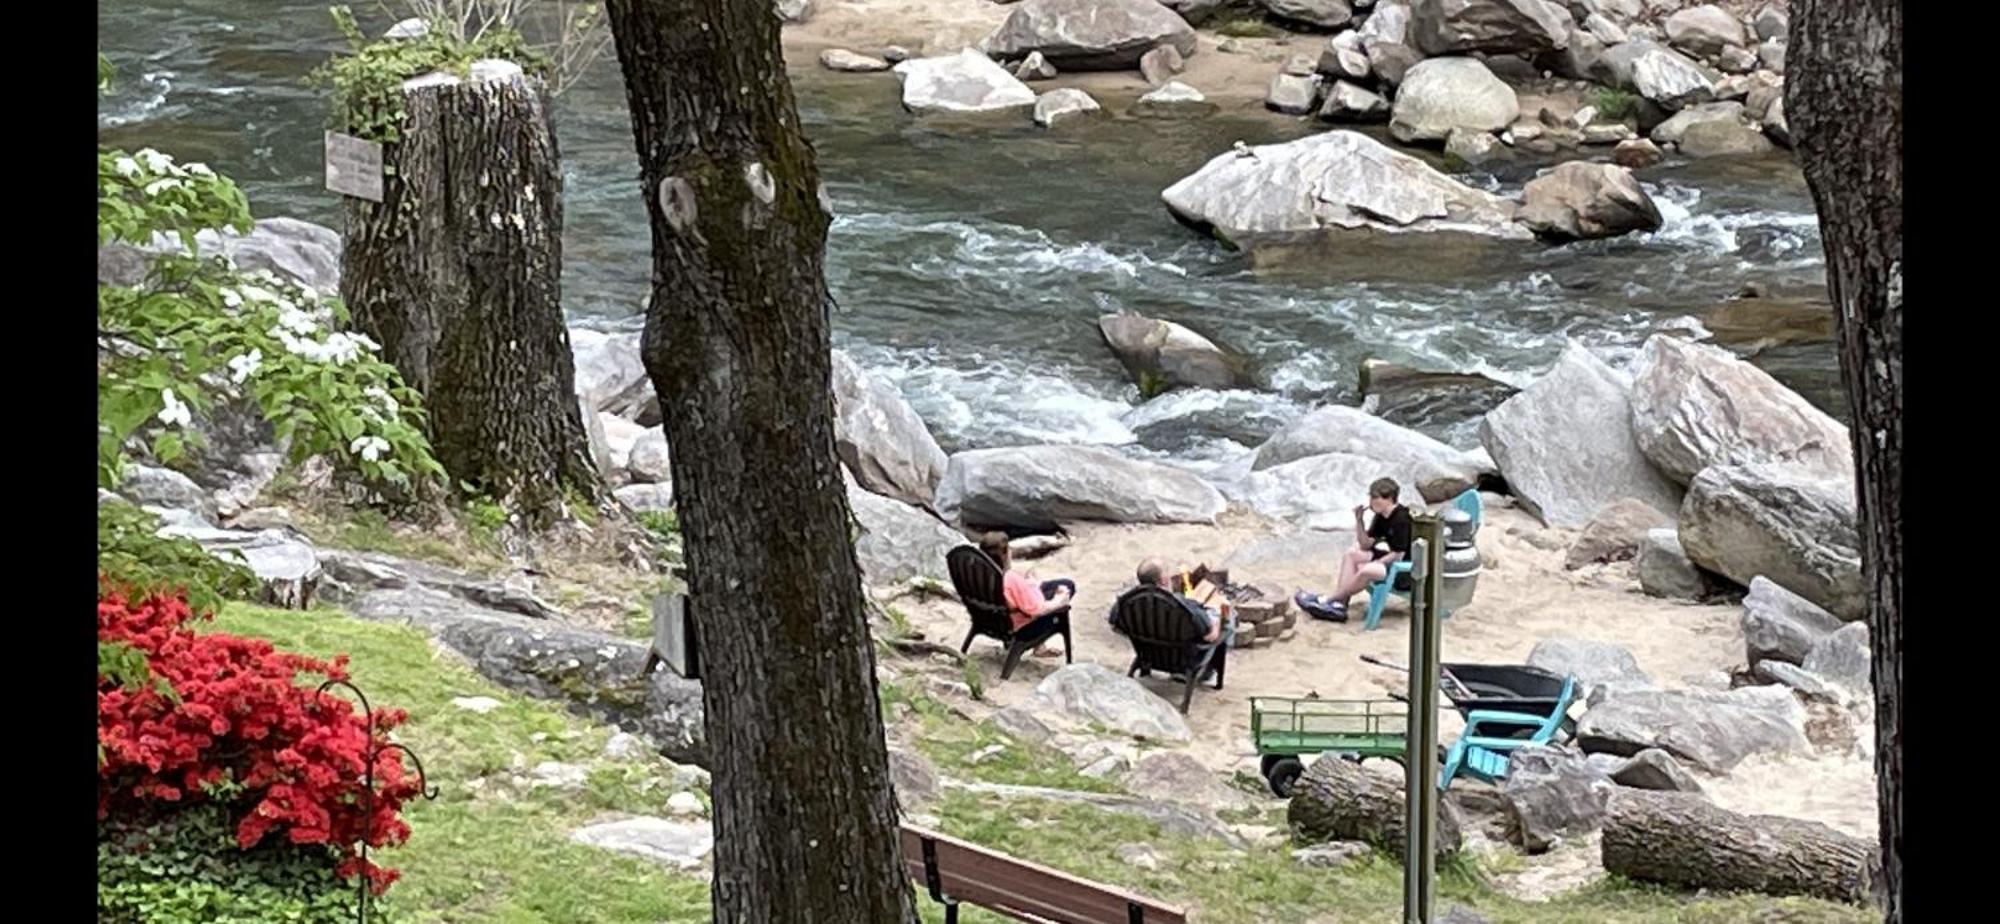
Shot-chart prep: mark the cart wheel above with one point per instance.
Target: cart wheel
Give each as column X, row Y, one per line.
column 1283, row 774
column 1269, row 761
column 1351, row 757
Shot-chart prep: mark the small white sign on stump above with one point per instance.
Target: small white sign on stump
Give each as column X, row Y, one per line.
column 354, row 166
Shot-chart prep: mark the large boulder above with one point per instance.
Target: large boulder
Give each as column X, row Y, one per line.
column 1345, row 58
column 304, row 252
column 1676, row 126
column 287, row 568
column 1494, row 26
column 610, row 376
column 1552, row 793
column 1656, row 770
column 1660, row 74
column 1037, row 488
column 1705, row 30
column 1781, row 625
column 1162, row 355
column 898, row 542
column 1565, row 443
column 1292, row 94
column 682, row 844
column 1580, row 200
column 1061, row 103
column 881, row 439
column 1085, row 693
column 1320, row 491
column 1319, row 14
column 1726, row 139
column 1422, row 398
column 1666, row 571
column 1400, row 452
column 1346, row 102
column 1615, row 533
column 1695, row 405
column 1788, row 523
column 1331, row 182
column 1713, row 731
column 1593, row 664
column 1843, row 657
column 166, row 489
column 650, row 460
column 1089, row 35
column 964, row 82
column 1443, row 95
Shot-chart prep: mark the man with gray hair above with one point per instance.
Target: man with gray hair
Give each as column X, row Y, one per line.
column 1215, row 629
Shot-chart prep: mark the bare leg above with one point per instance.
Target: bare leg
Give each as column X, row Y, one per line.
column 1368, row 574
column 1351, row 561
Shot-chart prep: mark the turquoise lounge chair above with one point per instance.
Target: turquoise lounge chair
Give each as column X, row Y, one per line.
column 1378, row 592
column 1485, row 756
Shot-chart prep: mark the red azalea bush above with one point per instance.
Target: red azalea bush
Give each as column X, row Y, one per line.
column 239, row 731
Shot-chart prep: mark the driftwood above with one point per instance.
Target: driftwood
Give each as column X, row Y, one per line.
column 1684, row 840
column 1339, row 800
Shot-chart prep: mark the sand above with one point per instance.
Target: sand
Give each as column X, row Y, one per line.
column 1524, row 595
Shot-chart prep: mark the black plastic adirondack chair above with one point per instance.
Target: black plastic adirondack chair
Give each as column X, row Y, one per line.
column 1166, row 639
column 978, row 581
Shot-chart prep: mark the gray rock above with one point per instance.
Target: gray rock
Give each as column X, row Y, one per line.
column 414, row 27
column 1160, row 65
column 304, row 252
column 1771, row 54
column 1772, row 22
column 1037, row 488
column 680, row 844
column 1441, row 95
column 620, row 435
column 1331, row 855
column 1322, row 14
column 1665, row 571
column 1141, row 856
column 1337, row 428
column 1660, row 74
column 1675, row 127
column 1346, row 102
column 1172, row 100
column 149, row 486
column 349, row 575
column 1345, row 58
column 840, row 59
column 894, row 54
column 1607, row 764
column 1609, row 133
column 1090, row 35
column 1604, row 30
column 1762, row 89
column 1063, row 103
column 1593, row 664
column 1705, row 30
column 1320, row 491
column 1580, row 200
column 899, row 542
column 1791, row 524
column 1084, row 692
column 1621, row 11
column 1035, row 67
column 915, row 778
column 1712, row 731
column 1734, row 60
column 1385, row 36
column 965, row 82
column 1807, row 684
column 1291, row 94
column 601, row 459
column 1843, row 657
column 1021, row 725
column 1163, row 355
column 1583, row 59
column 1474, row 147
column 794, row 10
column 1695, row 405
column 1615, row 533
column 1552, row 793
column 610, row 376
column 1724, row 139
column 650, row 461
column 1776, row 126
column 1656, row 769
column 1415, row 397
column 1493, row 26
column 1328, row 183
column 1172, row 817
column 1780, row 625
column 287, row 568
column 647, row 498
column 881, row 439
column 621, row 746
column 1565, row 443
column 1636, row 154
column 1176, row 775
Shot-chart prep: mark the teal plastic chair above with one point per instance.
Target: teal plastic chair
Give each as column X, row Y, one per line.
column 1378, row 592
column 1484, row 757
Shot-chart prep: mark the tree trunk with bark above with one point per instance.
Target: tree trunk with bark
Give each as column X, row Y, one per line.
column 1339, row 800
column 457, row 272
column 1682, row 839
column 1844, row 99
column 737, row 346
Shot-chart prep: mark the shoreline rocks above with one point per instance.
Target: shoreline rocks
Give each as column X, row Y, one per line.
column 1037, row 488
column 1783, row 522
column 1089, row 35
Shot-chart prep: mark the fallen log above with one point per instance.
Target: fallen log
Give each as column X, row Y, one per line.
column 1339, row 800
column 1684, row 840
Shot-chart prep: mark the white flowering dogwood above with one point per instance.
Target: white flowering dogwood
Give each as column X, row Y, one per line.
column 198, row 330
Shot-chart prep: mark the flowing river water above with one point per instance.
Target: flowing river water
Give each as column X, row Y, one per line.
column 971, row 262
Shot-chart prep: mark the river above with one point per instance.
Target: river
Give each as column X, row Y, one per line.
column 970, row 263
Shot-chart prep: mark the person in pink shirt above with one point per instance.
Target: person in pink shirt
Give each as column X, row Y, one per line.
column 1027, row 603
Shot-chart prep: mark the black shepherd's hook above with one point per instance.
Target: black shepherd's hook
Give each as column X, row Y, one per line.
column 362, row 893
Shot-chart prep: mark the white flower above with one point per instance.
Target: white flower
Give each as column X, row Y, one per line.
column 201, row 170
column 156, row 161
column 162, row 185
column 311, row 294
column 296, row 321
column 173, row 413
column 382, row 394
column 259, row 294
column 342, row 348
column 126, row 166
column 245, row 366
column 370, row 448
column 232, row 298
column 364, row 340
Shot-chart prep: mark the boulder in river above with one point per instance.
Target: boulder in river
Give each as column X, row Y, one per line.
column 1713, row 731
column 1660, row 74
column 964, row 82
column 1705, row 30
column 1062, row 103
column 1172, row 100
column 1090, row 35
column 1385, row 36
column 1580, row 200
column 1330, row 182
column 1346, row 102
column 1342, row 429
column 1163, row 355
column 1636, row 154
column 840, row 59
column 1695, row 405
column 881, row 439
column 1035, row 67
column 1779, row 625
column 1291, row 94
column 1791, row 524
column 1442, row 95
column 1160, row 65
column 1725, row 139
column 1675, row 127
column 1037, row 488
column 1565, row 443
column 1314, row 14
column 1319, row 491
column 1345, row 58
column 1527, row 27
column 1418, row 398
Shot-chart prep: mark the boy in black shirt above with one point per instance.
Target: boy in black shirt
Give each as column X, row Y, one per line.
column 1377, row 545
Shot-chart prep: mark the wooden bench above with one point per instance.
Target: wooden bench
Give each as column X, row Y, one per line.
column 955, row 871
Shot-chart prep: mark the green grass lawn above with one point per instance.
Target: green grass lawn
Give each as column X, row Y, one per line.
column 488, row 852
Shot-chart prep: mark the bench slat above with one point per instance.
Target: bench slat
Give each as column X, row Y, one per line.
column 1028, row 891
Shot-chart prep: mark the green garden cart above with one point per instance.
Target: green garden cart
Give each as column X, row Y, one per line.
column 1287, row 730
